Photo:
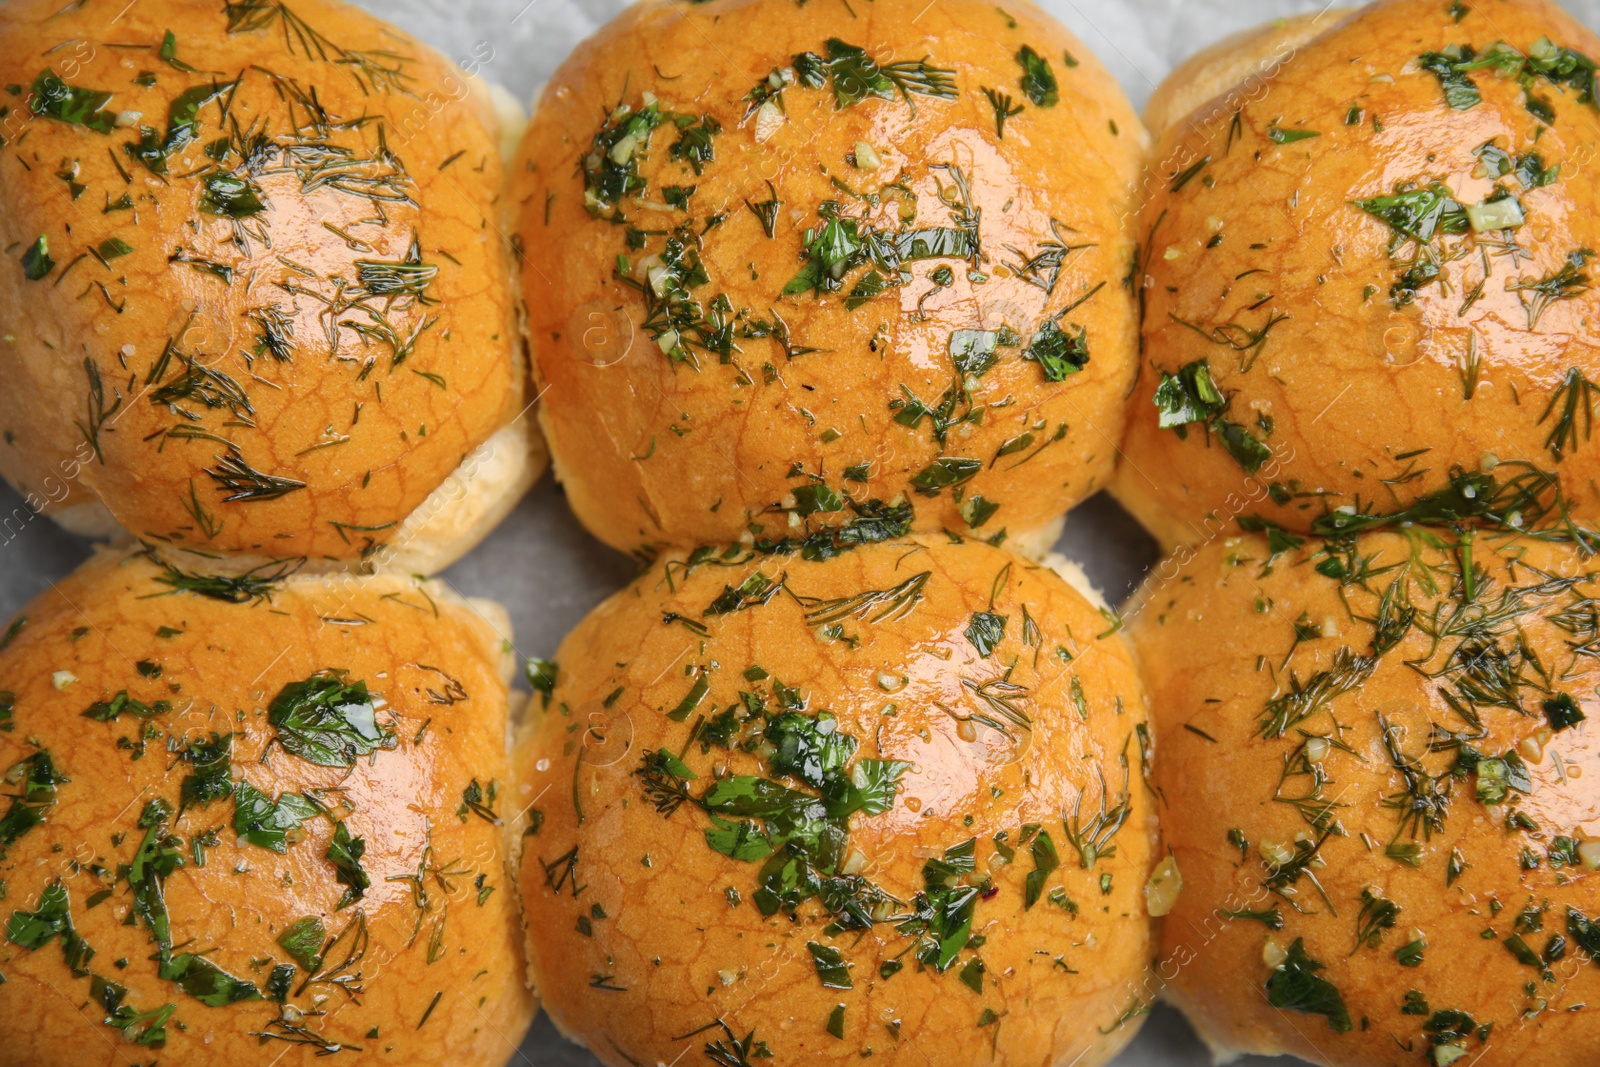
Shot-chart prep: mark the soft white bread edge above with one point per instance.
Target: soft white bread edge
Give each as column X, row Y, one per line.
column 1227, row 64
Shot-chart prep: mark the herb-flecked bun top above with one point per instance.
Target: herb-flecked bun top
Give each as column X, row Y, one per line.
column 795, row 274
column 1366, row 279
column 252, row 833
column 1382, row 780
column 890, row 805
column 254, row 295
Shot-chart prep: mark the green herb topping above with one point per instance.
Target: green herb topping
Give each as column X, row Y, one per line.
column 328, row 721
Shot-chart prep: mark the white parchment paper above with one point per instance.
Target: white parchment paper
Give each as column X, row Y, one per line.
column 540, row 563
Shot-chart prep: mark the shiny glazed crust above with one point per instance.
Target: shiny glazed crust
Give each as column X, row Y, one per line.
column 162, row 675
column 260, row 321
column 722, row 427
column 1429, row 766
column 642, row 935
column 1346, row 375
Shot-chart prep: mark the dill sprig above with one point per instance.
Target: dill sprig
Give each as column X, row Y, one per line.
column 1242, row 339
column 1004, row 108
column 1423, row 800
column 1042, row 268
column 97, row 412
column 1284, row 876
column 199, row 384
column 373, row 71
column 888, row 604
column 256, row 584
column 341, row 960
column 1314, row 808
column 1575, row 397
column 1527, row 501
column 243, row 482
column 732, row 1051
column 276, row 333
column 1091, row 838
column 1564, row 283
column 409, row 277
column 1377, row 915
column 1002, row 700
column 1305, row 699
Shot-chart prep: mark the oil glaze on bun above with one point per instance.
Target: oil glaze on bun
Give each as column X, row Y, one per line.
column 255, row 293
column 1367, row 277
column 1382, row 784
column 890, row 804
column 786, row 278
column 255, row 832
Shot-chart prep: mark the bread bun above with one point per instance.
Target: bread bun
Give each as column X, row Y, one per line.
column 208, row 797
column 1225, row 65
column 1382, row 784
column 1000, row 730
column 255, row 297
column 785, row 278
column 1366, row 276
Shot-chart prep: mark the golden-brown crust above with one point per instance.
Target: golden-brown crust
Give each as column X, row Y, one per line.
column 653, row 450
column 213, row 382
column 1225, row 65
column 1225, row 639
column 1366, row 382
column 652, row 934
column 114, row 628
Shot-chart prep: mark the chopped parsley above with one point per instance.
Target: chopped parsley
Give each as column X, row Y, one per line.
column 542, row 674
column 328, row 721
column 224, row 194
column 611, row 169
column 1190, row 396
column 345, row 853
column 1528, row 168
column 475, row 800
column 183, row 127
column 1563, row 712
column 696, row 143
column 941, row 914
column 974, row 351
column 1059, row 353
column 1296, row 986
column 795, row 824
column 52, row 919
column 1038, row 80
column 945, row 472
column 36, row 261
column 203, row 980
column 38, row 777
column 1555, row 65
column 1451, row 67
column 55, row 99
column 873, row 521
column 1045, row 862
column 832, row 968
column 1278, row 135
column 213, row 767
column 985, row 631
column 266, row 823
column 147, row 1029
